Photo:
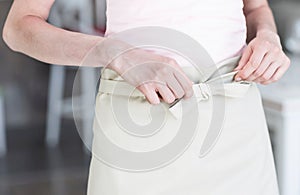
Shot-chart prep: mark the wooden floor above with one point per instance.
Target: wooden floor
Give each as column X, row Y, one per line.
column 30, row 168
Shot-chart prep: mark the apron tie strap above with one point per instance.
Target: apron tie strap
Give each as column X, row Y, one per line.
column 221, row 82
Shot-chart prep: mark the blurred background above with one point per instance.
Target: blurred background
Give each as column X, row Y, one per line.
column 40, row 149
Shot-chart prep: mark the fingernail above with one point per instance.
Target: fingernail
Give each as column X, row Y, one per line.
column 238, row 78
column 155, row 101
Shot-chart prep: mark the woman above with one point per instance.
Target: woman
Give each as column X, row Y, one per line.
column 241, row 162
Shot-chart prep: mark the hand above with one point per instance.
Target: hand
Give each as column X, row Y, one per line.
column 157, row 77
column 263, row 61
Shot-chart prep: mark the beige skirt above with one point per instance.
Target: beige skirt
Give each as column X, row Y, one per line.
column 215, row 143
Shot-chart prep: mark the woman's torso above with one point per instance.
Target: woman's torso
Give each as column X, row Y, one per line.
column 218, row 25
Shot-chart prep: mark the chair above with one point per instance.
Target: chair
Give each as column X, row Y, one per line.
column 3, row 147
column 58, row 106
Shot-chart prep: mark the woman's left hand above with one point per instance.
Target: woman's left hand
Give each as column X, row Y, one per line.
column 263, row 60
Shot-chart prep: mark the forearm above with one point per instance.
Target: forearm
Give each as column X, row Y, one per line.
column 33, row 36
column 260, row 21
column 263, row 60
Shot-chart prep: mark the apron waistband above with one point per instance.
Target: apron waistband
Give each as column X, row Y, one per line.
column 219, row 83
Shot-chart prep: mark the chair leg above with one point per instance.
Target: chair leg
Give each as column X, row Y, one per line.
column 3, row 148
column 55, row 97
column 88, row 83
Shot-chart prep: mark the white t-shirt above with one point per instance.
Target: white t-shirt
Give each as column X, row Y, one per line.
column 218, row 25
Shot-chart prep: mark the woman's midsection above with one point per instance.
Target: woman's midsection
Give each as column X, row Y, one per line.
column 220, row 28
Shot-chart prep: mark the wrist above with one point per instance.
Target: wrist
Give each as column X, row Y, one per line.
column 110, row 54
column 270, row 36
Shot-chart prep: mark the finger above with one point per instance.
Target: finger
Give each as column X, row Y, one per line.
column 182, row 75
column 175, row 67
column 149, row 91
column 269, row 72
column 165, row 93
column 278, row 74
column 268, row 59
column 245, row 58
column 253, row 63
column 186, row 84
column 175, row 87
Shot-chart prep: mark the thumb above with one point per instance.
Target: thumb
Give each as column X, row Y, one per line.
column 245, row 58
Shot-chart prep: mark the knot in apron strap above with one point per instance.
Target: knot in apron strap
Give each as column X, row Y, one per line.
column 222, row 85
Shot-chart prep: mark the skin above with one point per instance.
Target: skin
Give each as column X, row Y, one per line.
column 27, row 31
column 263, row 60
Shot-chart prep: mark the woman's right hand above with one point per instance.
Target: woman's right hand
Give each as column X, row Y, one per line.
column 156, row 76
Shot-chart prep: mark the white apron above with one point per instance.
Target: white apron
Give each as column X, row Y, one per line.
column 239, row 161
